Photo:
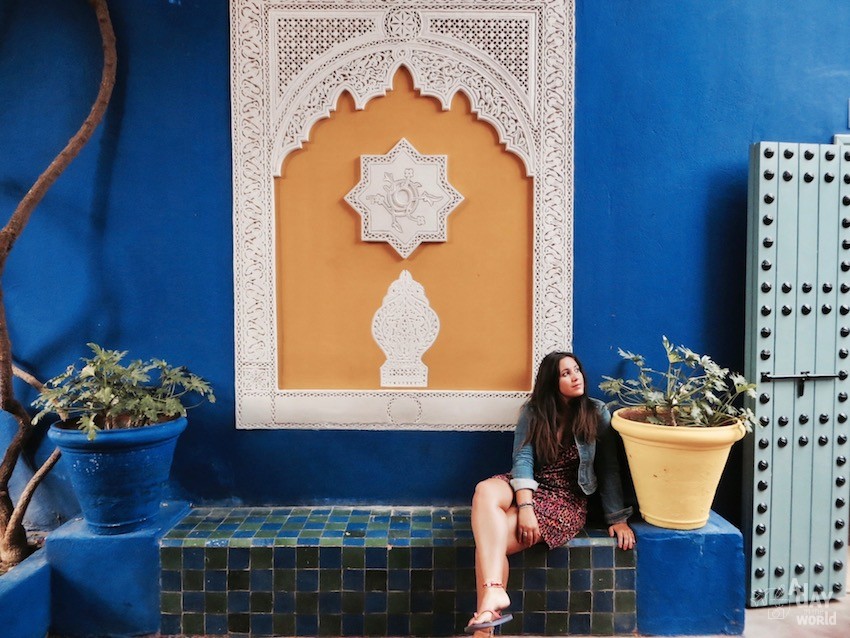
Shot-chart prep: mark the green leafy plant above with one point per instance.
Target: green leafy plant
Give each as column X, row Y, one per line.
column 693, row 391
column 103, row 394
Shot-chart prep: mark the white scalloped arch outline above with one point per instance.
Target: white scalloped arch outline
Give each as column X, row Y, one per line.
column 260, row 403
column 282, row 148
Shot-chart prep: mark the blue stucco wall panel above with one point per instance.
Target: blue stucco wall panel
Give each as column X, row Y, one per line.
column 132, row 246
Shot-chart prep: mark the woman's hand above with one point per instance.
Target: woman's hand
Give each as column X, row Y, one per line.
column 625, row 535
column 527, row 528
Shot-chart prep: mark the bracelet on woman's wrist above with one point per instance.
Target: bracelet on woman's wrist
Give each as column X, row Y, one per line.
column 529, row 504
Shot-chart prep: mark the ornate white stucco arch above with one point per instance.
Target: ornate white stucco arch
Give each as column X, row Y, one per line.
column 315, row 99
column 290, row 61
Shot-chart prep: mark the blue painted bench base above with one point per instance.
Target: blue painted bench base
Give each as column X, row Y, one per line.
column 691, row 582
column 376, row 572
column 25, row 599
column 107, row 585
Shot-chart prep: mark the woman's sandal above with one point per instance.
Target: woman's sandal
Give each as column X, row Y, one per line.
column 496, row 616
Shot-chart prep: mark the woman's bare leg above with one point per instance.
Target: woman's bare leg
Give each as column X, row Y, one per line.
column 494, row 523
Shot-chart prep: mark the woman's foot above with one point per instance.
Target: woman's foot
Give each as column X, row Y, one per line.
column 490, row 614
column 482, row 623
column 495, row 597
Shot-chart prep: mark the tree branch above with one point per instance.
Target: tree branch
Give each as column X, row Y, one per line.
column 12, row 535
column 17, row 517
column 20, row 217
column 13, row 228
column 27, row 378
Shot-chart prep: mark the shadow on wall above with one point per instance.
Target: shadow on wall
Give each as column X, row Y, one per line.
column 97, row 316
column 54, row 501
column 726, row 258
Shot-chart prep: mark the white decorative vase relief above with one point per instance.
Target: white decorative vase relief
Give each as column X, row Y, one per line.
column 404, row 327
column 403, row 198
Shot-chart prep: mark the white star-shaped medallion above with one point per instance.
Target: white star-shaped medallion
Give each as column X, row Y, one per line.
column 403, row 198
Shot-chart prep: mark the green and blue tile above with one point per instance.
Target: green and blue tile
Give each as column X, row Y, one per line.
column 379, row 571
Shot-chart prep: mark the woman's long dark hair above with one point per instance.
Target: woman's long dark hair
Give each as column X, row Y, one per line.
column 552, row 416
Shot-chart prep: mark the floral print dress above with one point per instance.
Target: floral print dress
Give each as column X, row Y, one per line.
column 559, row 503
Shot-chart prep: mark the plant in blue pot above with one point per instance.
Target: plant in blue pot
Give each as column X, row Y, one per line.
column 118, row 430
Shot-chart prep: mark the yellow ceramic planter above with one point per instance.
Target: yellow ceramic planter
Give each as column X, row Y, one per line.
column 676, row 470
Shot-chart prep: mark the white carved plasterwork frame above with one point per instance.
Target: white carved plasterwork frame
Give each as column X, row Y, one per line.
column 290, row 61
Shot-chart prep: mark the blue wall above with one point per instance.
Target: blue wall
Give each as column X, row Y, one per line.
column 132, row 246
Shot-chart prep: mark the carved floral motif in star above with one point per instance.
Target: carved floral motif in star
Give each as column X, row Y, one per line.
column 403, row 198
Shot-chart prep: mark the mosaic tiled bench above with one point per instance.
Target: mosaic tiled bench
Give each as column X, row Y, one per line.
column 356, row 571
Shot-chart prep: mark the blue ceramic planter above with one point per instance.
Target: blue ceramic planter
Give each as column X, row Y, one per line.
column 120, row 476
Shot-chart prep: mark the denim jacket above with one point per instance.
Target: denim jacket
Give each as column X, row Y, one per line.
column 598, row 457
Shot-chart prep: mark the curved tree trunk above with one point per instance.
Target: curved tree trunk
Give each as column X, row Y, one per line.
column 13, row 542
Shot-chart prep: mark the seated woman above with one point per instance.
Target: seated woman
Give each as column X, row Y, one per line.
column 563, row 440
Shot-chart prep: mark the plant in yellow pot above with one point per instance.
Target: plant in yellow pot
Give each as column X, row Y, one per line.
column 678, row 426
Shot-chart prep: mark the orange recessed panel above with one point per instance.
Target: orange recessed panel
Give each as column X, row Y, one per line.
column 331, row 283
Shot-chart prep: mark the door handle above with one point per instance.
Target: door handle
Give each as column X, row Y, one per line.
column 801, row 378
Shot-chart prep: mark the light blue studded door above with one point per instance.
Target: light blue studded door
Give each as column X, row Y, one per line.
column 797, row 346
